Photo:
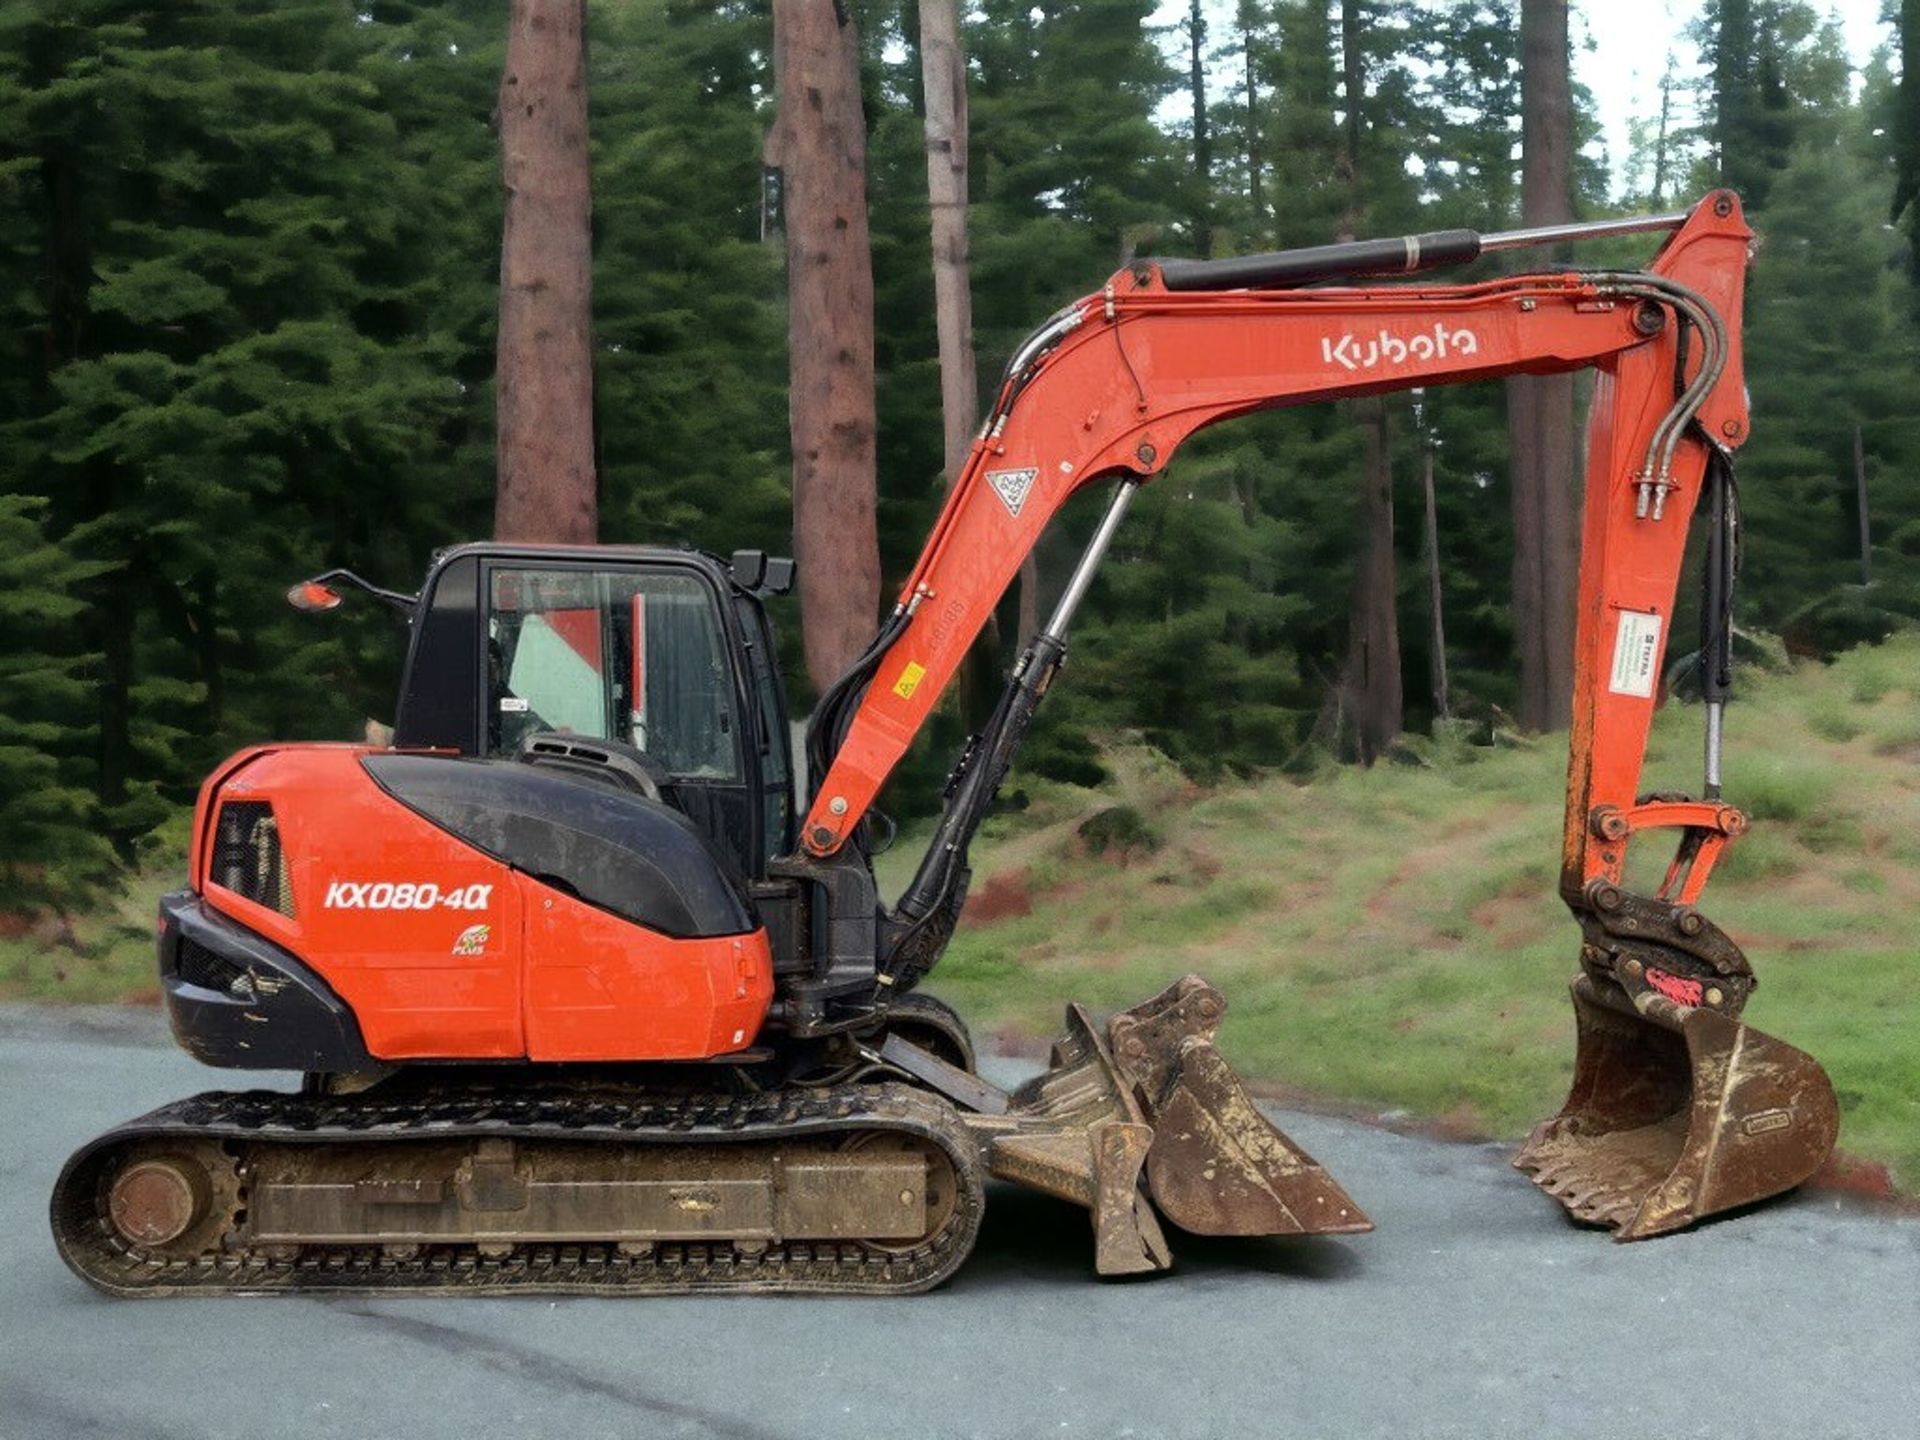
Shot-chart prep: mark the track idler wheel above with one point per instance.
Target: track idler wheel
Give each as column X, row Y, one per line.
column 171, row 1199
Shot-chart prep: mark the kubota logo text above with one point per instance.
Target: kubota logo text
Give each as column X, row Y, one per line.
column 384, row 895
column 1387, row 348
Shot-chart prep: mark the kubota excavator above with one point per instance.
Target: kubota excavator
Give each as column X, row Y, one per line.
column 584, row 1005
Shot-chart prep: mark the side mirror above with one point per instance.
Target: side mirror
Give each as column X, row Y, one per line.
column 318, row 594
column 312, row 597
column 749, row 568
column 761, row 573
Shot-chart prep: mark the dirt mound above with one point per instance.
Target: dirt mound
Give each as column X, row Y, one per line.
column 1003, row 897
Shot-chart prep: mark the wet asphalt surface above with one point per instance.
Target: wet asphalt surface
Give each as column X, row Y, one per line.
column 1476, row 1309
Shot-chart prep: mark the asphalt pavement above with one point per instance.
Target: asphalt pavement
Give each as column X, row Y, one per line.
column 1476, row 1309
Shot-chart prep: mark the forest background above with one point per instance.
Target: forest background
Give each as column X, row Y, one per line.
column 249, row 253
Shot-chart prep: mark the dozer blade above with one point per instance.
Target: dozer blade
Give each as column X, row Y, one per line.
column 1677, row 1111
column 1152, row 1093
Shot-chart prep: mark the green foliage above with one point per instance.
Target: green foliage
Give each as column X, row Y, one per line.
column 1832, row 350
column 248, row 261
column 690, row 373
column 50, row 849
column 237, row 329
column 1394, row 936
column 251, row 253
column 1119, row 831
column 1900, row 119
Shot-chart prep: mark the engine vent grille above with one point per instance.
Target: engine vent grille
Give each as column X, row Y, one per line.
column 247, row 858
column 210, row 970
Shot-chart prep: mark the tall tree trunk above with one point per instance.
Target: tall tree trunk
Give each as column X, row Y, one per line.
column 1371, row 694
column 1660, row 144
column 1860, row 495
column 1733, row 74
column 546, row 488
column 1256, row 205
column 1437, row 634
column 819, row 146
column 1202, row 132
column 1546, row 537
column 1374, row 703
column 1906, row 137
column 943, row 72
column 944, row 75
column 1353, row 75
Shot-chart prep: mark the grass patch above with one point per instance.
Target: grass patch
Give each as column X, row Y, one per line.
column 103, row 956
column 1394, row 937
column 1784, row 787
column 1835, row 720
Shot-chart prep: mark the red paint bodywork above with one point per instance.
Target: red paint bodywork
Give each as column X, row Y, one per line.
column 554, row 979
column 1145, row 368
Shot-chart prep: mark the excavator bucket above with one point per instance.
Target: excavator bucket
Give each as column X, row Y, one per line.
column 1141, row 1119
column 1678, row 1109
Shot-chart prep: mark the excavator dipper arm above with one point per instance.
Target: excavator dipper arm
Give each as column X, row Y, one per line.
column 1114, row 383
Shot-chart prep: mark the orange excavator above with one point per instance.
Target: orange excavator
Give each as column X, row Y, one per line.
column 590, row 996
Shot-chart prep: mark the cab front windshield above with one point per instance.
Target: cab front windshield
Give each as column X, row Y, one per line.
column 632, row 657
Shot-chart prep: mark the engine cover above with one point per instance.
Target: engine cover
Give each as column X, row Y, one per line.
column 464, row 910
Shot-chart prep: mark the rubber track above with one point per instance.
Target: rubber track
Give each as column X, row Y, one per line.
column 102, row 1258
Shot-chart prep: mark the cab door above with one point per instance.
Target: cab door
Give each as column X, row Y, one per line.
column 643, row 656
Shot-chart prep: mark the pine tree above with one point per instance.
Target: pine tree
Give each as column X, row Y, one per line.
column 1546, row 547
column 1775, row 66
column 224, row 260
column 689, row 307
column 818, row 144
column 51, row 853
column 1906, row 132
column 544, row 376
column 1831, row 346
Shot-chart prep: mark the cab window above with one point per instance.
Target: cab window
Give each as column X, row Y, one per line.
column 634, row 657
column 775, row 745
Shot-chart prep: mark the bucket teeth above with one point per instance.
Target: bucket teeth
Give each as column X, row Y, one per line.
column 1677, row 1112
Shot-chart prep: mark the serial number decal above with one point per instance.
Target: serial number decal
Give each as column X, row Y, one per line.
column 387, row 895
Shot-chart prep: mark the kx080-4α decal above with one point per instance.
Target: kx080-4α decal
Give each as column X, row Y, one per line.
column 389, row 895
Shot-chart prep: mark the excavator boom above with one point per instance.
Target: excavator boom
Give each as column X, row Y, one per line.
column 1116, row 382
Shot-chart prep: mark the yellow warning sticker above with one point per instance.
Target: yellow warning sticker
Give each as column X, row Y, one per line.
column 909, row 680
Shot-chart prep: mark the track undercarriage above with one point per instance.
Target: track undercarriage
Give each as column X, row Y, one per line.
column 873, row 1185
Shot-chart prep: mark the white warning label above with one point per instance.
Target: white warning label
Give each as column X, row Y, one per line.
column 1636, row 654
column 1012, row 487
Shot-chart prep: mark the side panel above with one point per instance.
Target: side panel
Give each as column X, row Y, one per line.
column 443, row 952
column 601, row 988
column 416, row 931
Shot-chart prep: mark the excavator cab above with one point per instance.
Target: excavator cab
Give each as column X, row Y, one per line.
column 654, row 668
